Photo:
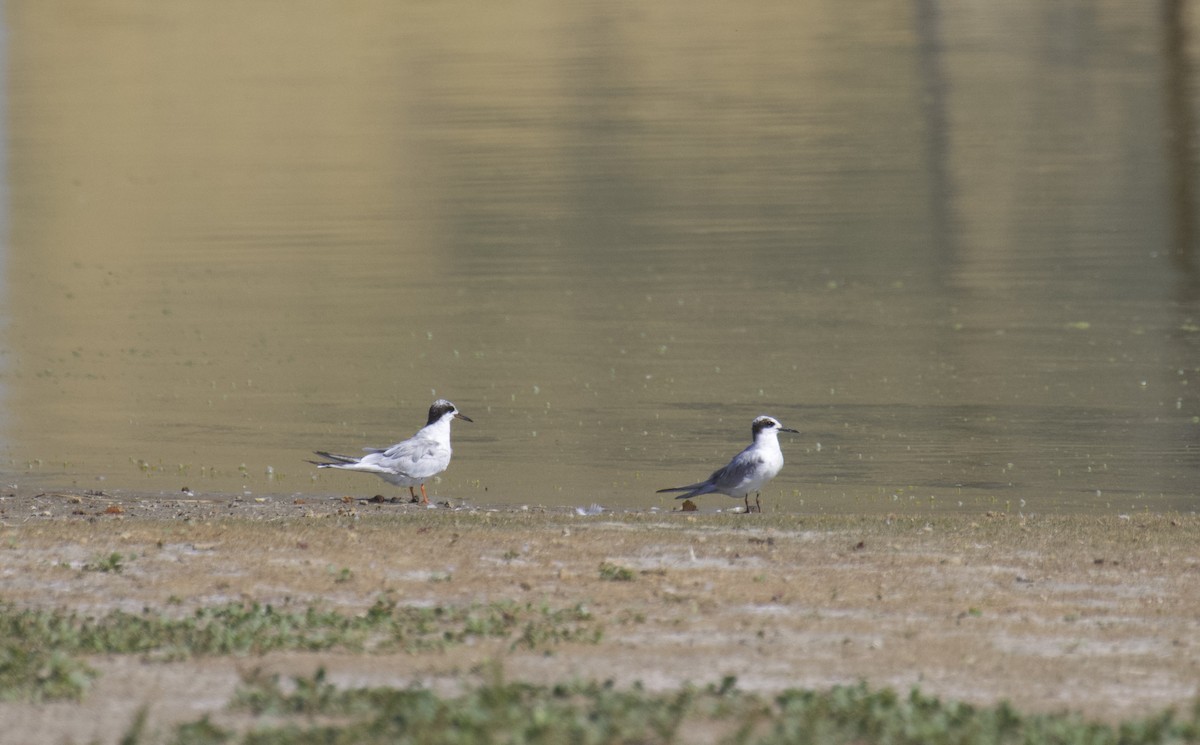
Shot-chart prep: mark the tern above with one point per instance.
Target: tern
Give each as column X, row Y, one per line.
column 409, row 463
column 749, row 470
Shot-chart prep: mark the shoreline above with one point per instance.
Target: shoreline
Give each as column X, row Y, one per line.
column 1092, row 614
column 149, row 503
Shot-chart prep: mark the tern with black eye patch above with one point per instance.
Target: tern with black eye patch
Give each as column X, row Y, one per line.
column 749, row 471
column 409, row 463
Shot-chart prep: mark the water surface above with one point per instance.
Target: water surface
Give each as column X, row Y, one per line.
column 955, row 246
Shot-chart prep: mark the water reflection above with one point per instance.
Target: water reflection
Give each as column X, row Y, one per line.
column 1180, row 139
column 932, row 237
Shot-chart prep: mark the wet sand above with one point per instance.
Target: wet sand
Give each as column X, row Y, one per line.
column 1098, row 615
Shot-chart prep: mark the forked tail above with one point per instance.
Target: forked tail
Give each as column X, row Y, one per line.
column 332, row 460
column 693, row 490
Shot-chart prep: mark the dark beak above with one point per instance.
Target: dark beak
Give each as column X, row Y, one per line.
column 463, row 417
column 793, row 431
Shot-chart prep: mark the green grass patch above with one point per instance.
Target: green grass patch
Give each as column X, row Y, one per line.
column 312, row 710
column 253, row 628
column 114, row 563
column 36, row 674
column 39, row 646
column 615, row 573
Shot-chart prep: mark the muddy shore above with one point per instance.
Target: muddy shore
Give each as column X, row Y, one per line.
column 1098, row 615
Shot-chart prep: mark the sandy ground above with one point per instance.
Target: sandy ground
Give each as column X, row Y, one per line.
column 1098, row 615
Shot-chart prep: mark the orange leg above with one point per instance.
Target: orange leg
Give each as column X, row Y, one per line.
column 424, row 499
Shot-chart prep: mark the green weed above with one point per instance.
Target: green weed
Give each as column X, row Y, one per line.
column 311, row 710
column 614, row 573
column 34, row 674
column 36, row 659
column 114, row 563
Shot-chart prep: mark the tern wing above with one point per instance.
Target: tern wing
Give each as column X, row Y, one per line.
column 740, row 472
column 366, row 464
column 725, row 479
column 419, row 457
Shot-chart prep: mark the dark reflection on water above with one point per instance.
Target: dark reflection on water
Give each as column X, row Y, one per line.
column 955, row 246
column 1180, row 141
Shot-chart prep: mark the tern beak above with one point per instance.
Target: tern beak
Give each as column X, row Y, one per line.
column 463, row 417
column 786, row 429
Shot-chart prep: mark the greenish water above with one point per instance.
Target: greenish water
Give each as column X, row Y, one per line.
column 954, row 246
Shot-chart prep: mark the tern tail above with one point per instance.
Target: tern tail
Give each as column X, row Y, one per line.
column 332, row 459
column 693, row 490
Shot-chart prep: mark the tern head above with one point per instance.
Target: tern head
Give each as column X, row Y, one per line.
column 443, row 409
column 769, row 424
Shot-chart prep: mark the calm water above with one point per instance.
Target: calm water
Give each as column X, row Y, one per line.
column 954, row 244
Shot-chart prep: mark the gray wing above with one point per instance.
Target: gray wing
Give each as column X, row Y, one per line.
column 418, row 457
column 740, row 471
column 728, row 480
